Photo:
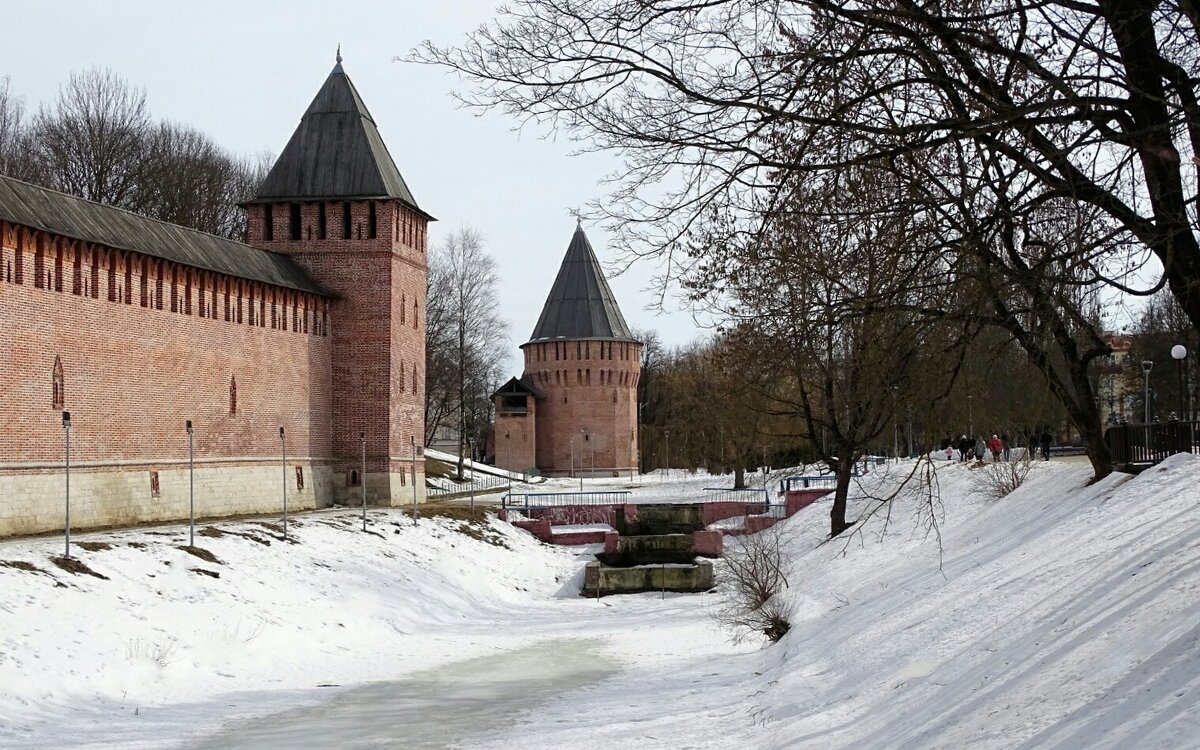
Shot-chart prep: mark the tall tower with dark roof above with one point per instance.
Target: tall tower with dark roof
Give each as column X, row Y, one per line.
column 335, row 202
column 574, row 410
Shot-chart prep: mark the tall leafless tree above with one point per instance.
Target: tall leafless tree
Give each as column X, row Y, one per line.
column 97, row 140
column 92, row 141
column 1095, row 102
column 470, row 346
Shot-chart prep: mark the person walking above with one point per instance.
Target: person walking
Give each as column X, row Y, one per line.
column 964, row 447
column 980, row 449
column 1004, row 442
column 1046, row 440
column 996, row 447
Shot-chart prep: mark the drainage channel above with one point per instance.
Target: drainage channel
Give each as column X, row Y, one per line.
column 431, row 709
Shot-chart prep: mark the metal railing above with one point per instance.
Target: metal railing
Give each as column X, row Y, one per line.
column 1143, row 445
column 461, row 488
column 528, row 500
column 826, row 482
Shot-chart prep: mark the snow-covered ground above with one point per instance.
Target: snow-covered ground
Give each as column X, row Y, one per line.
column 1062, row 616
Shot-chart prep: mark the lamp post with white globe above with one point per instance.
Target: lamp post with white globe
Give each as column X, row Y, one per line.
column 1179, row 353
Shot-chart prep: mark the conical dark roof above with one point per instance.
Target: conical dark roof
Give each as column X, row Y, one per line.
column 335, row 153
column 580, row 305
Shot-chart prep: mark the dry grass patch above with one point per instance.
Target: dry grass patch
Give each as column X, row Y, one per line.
column 203, row 572
column 201, row 553
column 21, row 565
column 93, row 546
column 75, row 567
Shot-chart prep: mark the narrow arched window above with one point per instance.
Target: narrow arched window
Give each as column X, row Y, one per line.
column 56, row 387
column 414, row 380
column 233, row 395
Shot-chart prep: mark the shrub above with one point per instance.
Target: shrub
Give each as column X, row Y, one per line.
column 996, row 480
column 755, row 573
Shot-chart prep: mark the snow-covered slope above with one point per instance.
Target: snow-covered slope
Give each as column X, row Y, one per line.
column 1062, row 616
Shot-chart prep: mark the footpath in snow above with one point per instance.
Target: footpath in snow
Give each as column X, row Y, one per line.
column 1062, row 616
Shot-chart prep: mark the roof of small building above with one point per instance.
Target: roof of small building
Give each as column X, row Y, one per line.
column 580, row 304
column 519, row 386
column 336, row 153
column 67, row 215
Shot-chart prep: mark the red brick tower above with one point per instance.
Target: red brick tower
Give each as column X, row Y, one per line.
column 336, row 203
column 579, row 388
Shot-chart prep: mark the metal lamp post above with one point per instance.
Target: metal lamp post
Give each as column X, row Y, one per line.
column 283, row 448
column 1179, row 352
column 667, row 435
column 582, row 432
column 971, row 415
column 66, row 423
column 1146, row 366
column 508, row 458
column 191, row 487
column 362, row 477
column 895, row 429
column 910, row 432
column 573, row 456
column 471, row 445
column 413, row 439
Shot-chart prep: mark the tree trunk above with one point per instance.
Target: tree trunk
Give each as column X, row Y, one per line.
column 739, row 477
column 837, row 515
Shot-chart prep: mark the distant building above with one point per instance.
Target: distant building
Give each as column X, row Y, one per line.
column 574, row 409
column 315, row 325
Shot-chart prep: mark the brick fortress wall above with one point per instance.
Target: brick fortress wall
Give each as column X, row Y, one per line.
column 591, row 397
column 376, row 268
column 133, row 346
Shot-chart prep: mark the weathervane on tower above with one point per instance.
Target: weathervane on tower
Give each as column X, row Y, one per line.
column 338, row 57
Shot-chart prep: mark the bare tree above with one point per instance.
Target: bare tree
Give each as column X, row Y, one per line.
column 92, row 142
column 13, row 160
column 470, row 346
column 1096, row 103
column 190, row 180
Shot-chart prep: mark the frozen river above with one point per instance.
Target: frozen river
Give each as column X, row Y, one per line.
column 437, row 708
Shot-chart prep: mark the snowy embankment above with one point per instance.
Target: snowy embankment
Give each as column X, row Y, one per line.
column 1060, row 616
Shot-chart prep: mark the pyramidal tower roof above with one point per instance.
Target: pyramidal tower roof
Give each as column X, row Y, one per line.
column 580, row 304
column 336, row 152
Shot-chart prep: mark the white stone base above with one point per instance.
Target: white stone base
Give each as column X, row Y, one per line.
column 32, row 503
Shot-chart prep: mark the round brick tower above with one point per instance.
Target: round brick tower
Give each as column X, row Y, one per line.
column 579, row 387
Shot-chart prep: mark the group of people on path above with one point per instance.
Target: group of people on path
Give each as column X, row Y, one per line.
column 998, row 447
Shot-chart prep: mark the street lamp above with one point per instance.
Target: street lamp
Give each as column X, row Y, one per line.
column 191, row 487
column 895, row 430
column 471, row 445
column 283, row 447
column 1146, row 366
column 1179, row 352
column 667, row 434
column 971, row 415
column 362, row 477
column 66, row 423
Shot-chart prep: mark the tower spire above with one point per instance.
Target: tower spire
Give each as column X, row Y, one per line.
column 338, row 57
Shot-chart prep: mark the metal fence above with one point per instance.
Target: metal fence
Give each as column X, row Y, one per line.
column 461, row 488
column 528, row 500
column 756, row 500
column 1135, row 446
column 826, row 482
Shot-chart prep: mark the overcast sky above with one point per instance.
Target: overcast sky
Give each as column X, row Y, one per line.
column 244, row 72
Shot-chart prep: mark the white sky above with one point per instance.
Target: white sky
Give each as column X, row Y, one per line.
column 244, row 72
